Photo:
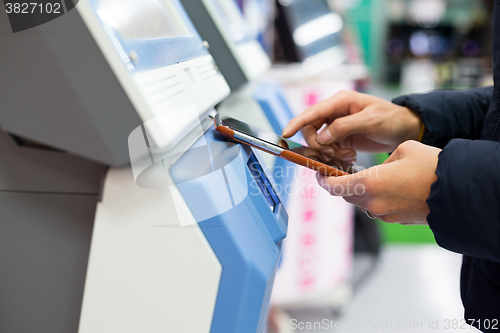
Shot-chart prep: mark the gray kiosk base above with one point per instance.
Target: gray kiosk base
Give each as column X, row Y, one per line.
column 47, row 206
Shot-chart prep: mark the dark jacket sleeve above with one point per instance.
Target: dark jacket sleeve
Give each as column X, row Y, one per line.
column 449, row 114
column 465, row 200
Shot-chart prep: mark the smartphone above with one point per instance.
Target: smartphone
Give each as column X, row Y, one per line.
column 281, row 147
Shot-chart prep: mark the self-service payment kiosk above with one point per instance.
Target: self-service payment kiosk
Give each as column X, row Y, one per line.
column 122, row 209
column 315, row 267
column 242, row 61
column 239, row 55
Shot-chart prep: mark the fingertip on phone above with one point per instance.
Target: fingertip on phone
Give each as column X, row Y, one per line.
column 287, row 131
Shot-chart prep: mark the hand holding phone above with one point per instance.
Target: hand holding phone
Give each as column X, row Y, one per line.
column 281, row 147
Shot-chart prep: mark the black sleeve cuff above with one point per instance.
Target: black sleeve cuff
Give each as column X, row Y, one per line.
column 464, row 202
column 449, row 114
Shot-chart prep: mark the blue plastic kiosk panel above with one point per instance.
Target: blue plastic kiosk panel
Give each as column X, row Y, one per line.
column 272, row 101
column 244, row 222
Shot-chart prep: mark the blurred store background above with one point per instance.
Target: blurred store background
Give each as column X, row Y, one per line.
column 386, row 48
column 407, row 46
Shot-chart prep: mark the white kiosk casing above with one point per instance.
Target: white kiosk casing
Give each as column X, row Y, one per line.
column 132, row 47
column 120, row 68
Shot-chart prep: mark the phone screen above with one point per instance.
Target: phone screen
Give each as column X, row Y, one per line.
column 286, row 144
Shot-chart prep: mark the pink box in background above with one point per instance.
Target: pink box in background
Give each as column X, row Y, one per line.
column 316, row 261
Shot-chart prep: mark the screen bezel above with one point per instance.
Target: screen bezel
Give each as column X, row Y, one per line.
column 225, row 20
column 155, row 52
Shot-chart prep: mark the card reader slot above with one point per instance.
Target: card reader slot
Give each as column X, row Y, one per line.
column 263, row 182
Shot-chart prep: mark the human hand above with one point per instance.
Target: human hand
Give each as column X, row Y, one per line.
column 395, row 191
column 355, row 121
